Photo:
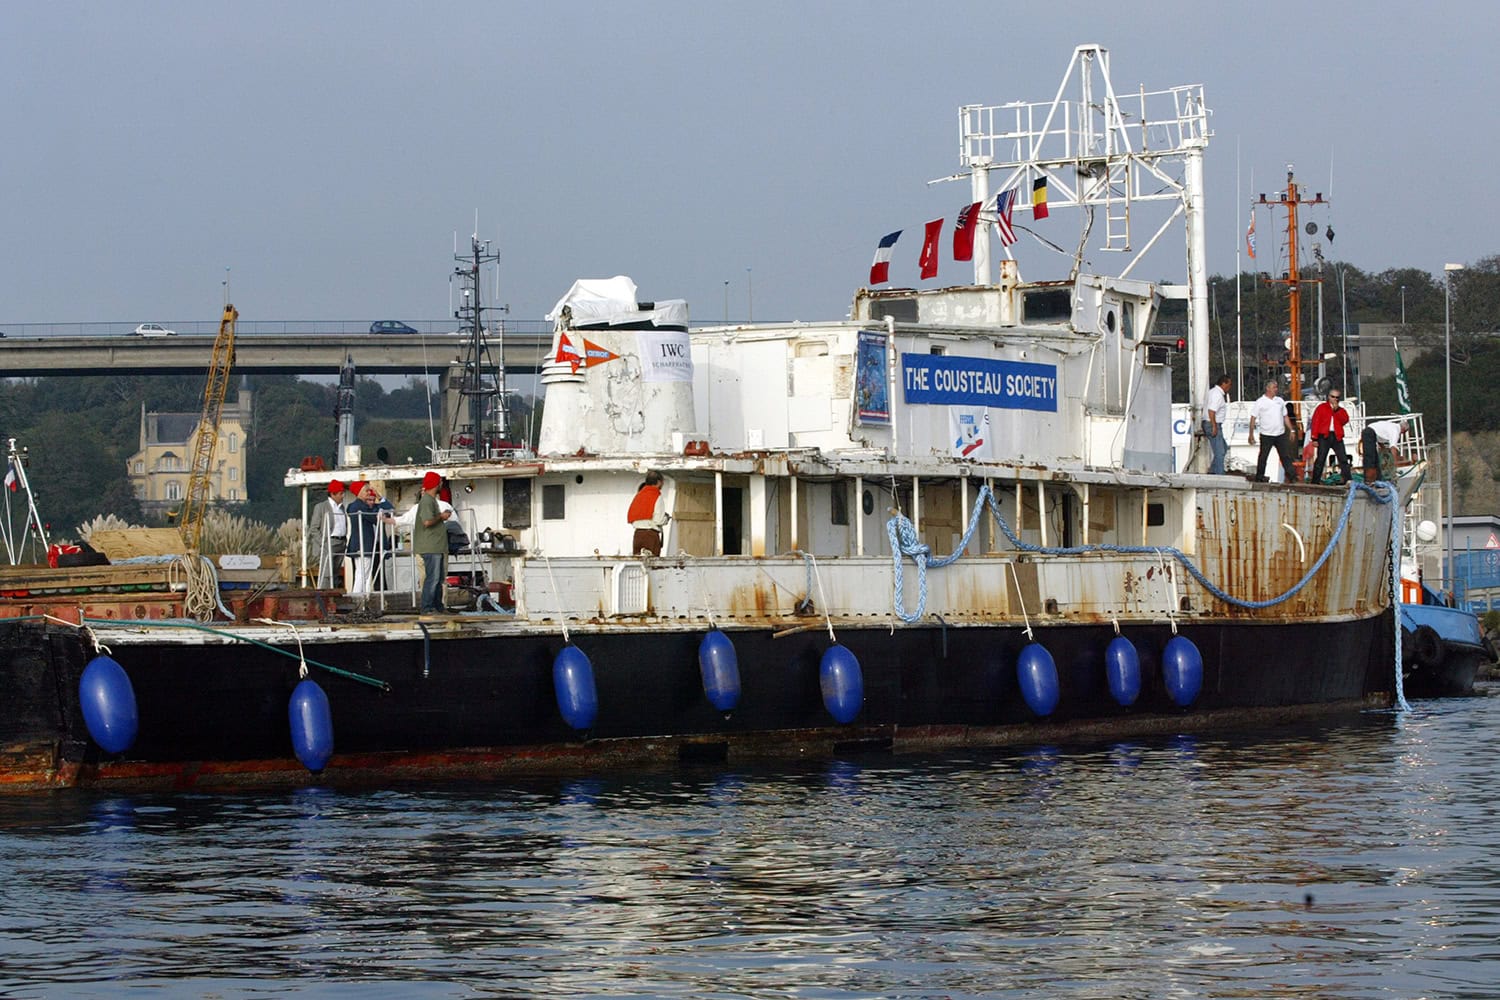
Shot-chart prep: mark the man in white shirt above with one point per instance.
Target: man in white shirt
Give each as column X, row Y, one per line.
column 335, row 527
column 1215, row 412
column 1268, row 413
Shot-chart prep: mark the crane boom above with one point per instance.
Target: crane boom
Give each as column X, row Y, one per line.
column 201, row 470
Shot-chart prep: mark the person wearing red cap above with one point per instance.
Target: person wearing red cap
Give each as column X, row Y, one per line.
column 429, row 539
column 334, row 523
column 367, row 542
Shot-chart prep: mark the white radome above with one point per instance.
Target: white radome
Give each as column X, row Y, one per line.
column 1426, row 531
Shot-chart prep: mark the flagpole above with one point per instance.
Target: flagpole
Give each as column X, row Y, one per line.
column 1239, row 347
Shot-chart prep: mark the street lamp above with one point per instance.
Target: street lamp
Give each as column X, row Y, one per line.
column 1344, row 311
column 1448, row 270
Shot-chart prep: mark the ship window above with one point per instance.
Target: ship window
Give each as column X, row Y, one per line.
column 1047, row 305
column 867, row 503
column 1109, row 321
column 1127, row 321
column 1156, row 515
column 515, row 502
column 901, row 310
column 553, row 508
column 839, row 506
column 938, row 349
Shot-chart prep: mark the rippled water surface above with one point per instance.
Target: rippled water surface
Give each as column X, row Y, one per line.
column 1359, row 858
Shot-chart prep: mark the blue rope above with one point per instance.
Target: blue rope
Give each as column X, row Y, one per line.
column 904, row 542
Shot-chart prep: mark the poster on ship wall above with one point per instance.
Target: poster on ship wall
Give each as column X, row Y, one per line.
column 666, row 356
column 969, row 432
column 872, row 399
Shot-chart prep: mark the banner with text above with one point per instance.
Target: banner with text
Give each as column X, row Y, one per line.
column 666, row 357
column 950, row 381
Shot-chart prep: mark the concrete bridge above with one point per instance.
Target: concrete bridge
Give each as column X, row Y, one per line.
column 298, row 353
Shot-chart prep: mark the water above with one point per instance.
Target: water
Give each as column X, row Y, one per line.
column 1351, row 859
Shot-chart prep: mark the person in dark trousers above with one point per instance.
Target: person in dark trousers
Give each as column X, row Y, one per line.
column 335, row 526
column 648, row 515
column 1268, row 414
column 1328, row 422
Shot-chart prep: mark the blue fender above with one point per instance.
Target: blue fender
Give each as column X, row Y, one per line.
column 721, row 671
column 1036, row 673
column 108, row 702
column 1182, row 670
column 1122, row 667
column 311, row 720
column 843, row 684
column 573, row 681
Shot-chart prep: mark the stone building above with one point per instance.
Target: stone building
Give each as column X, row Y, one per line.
column 159, row 471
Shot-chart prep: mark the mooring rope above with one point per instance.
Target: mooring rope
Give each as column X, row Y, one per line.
column 904, row 542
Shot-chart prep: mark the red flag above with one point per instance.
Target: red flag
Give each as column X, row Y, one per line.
column 567, row 353
column 929, row 258
column 963, row 232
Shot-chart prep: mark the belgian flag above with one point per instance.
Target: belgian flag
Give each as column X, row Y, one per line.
column 1039, row 198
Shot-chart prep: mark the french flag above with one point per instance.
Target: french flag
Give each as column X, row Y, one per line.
column 12, row 481
column 880, row 269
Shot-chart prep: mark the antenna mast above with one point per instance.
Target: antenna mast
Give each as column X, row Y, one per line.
column 1290, row 199
column 1100, row 150
column 480, row 392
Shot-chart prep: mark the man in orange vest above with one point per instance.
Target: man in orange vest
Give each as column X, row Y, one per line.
column 648, row 515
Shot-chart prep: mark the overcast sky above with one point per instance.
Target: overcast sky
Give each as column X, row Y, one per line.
column 327, row 153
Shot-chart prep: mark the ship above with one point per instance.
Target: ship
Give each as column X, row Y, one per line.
column 950, row 519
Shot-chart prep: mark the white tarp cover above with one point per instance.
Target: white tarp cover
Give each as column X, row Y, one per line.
column 613, row 301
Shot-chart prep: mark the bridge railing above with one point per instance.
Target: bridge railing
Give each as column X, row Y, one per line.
column 300, row 327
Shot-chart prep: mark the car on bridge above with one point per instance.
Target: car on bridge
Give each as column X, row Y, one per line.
column 154, row 330
column 391, row 326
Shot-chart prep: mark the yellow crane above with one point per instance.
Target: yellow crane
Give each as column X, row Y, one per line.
column 201, row 469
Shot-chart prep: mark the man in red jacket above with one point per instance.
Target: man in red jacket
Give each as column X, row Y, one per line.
column 1328, row 422
column 647, row 515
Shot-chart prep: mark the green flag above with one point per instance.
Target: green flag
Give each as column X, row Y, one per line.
column 1403, row 390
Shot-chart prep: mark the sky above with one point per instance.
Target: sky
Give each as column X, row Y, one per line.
column 324, row 157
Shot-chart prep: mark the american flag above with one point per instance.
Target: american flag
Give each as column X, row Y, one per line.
column 1003, row 204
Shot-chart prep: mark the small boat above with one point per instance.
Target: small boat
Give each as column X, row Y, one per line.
column 949, row 519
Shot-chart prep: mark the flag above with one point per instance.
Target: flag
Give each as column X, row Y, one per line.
column 969, row 430
column 593, row 354
column 1003, row 204
column 929, row 258
column 1039, row 198
column 567, row 353
column 963, row 232
column 880, row 269
column 1250, row 236
column 1403, row 389
column 12, row 481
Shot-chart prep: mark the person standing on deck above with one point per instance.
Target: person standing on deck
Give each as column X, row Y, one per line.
column 1268, row 412
column 648, row 516
column 335, row 527
column 1215, row 411
column 429, row 539
column 366, row 514
column 1328, row 422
